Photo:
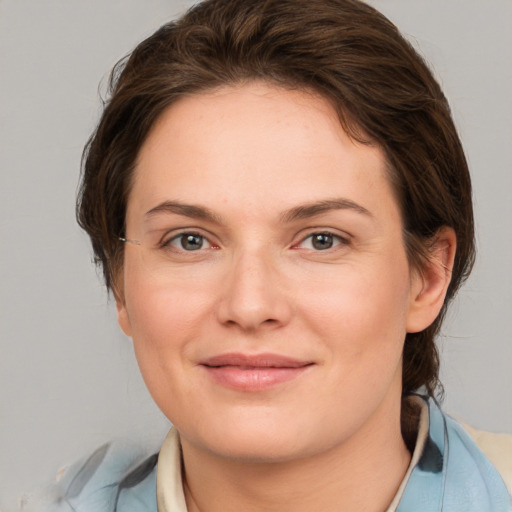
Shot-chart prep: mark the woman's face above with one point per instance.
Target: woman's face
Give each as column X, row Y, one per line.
column 270, row 294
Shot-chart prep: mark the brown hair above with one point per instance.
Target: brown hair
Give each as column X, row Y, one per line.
column 342, row 49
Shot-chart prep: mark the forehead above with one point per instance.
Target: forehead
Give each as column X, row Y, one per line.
column 255, row 145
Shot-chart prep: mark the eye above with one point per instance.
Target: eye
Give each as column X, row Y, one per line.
column 322, row 241
column 188, row 242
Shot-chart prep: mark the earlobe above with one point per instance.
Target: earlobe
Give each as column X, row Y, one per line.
column 430, row 284
column 123, row 319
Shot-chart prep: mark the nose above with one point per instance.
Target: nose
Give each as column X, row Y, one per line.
column 254, row 294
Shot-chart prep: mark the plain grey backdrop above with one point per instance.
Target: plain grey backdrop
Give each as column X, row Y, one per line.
column 68, row 379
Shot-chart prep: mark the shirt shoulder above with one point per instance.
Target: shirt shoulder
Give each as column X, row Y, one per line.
column 114, row 478
column 452, row 472
column 497, row 448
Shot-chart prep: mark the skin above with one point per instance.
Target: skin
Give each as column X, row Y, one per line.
column 252, row 156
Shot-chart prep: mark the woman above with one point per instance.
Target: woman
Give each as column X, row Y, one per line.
column 281, row 206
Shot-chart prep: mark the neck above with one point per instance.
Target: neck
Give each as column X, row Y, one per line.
column 363, row 473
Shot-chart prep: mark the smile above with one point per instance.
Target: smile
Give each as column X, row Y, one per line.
column 253, row 373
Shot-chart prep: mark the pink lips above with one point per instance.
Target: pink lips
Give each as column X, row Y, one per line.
column 253, row 372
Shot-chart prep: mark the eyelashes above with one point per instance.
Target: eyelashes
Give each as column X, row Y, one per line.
column 191, row 241
column 188, row 242
column 322, row 241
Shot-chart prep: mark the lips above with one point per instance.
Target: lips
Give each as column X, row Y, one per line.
column 253, row 372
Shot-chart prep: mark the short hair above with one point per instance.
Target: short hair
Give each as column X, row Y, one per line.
column 343, row 50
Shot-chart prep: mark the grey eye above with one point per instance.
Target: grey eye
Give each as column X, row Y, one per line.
column 322, row 241
column 189, row 241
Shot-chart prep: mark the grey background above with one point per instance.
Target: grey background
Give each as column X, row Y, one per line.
column 68, row 379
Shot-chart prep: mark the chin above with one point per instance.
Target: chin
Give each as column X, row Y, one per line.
column 260, row 449
column 263, row 439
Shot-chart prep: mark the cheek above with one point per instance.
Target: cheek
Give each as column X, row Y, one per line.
column 164, row 328
column 165, row 318
column 359, row 318
column 361, row 310
column 161, row 304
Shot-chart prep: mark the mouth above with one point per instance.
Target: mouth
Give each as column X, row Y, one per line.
column 253, row 373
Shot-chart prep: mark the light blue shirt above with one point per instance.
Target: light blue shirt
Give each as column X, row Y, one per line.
column 449, row 473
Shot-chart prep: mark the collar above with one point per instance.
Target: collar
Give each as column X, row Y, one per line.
column 452, row 474
column 169, row 486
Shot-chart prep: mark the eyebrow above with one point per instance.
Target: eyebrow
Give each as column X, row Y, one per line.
column 313, row 209
column 303, row 211
column 187, row 210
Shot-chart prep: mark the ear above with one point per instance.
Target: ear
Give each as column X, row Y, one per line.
column 123, row 318
column 430, row 284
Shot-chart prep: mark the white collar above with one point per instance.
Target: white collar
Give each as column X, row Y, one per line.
column 423, row 427
column 169, row 486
